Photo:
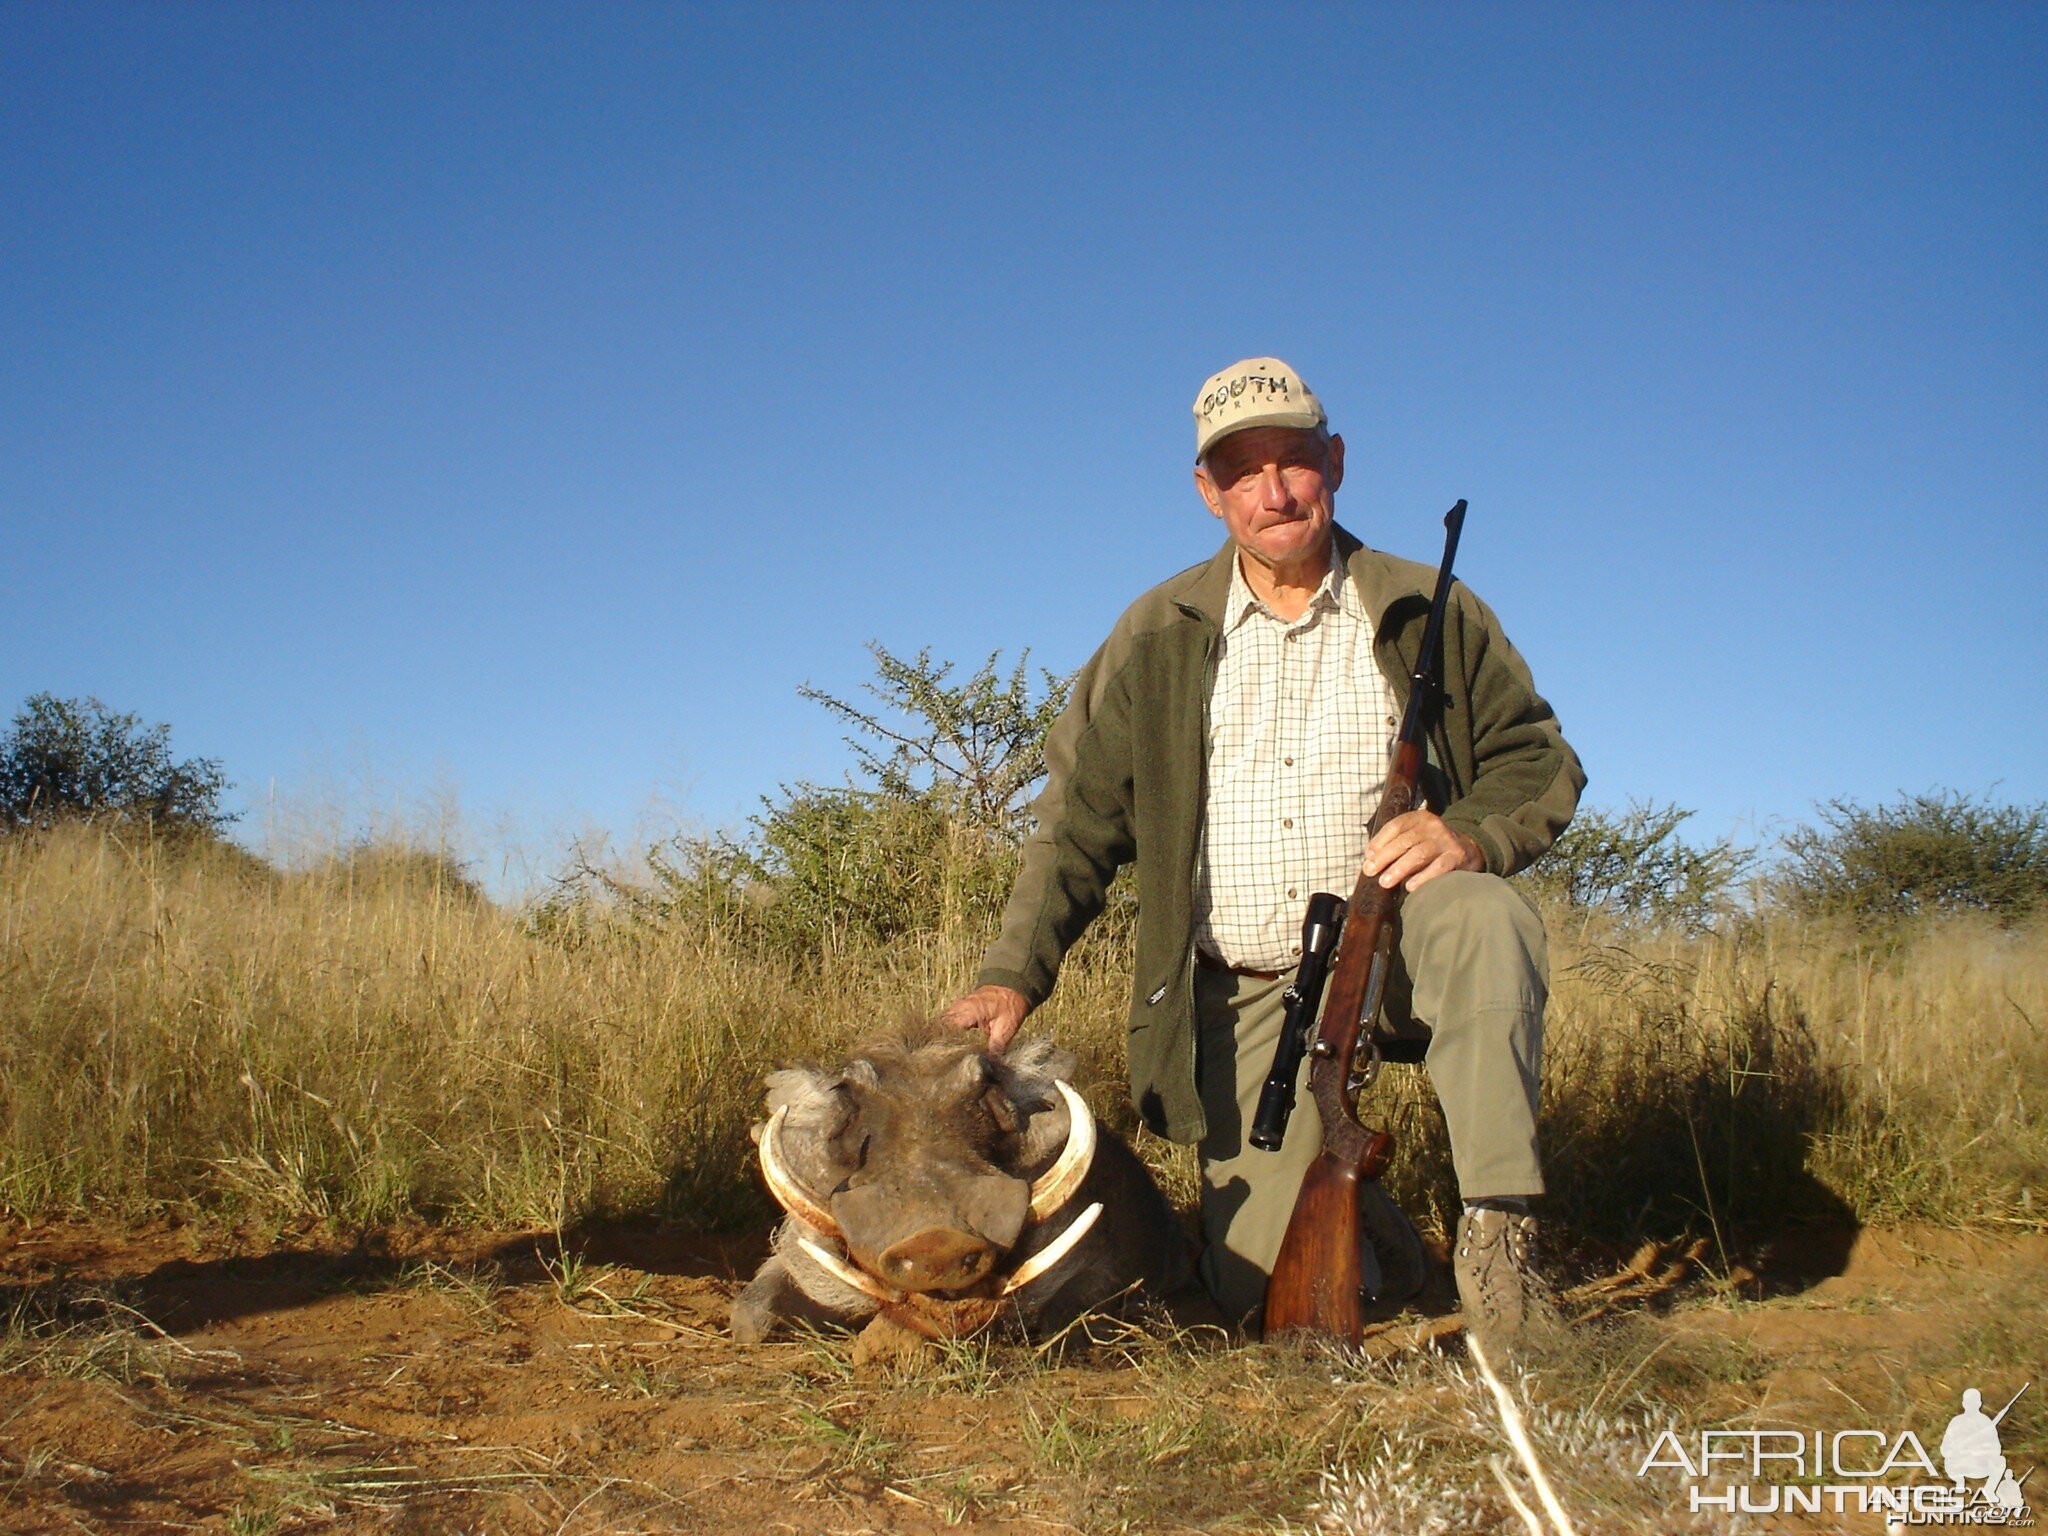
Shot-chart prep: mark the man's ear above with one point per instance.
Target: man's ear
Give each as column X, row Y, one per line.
column 1207, row 489
column 1334, row 475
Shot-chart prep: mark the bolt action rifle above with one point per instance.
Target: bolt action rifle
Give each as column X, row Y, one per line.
column 1318, row 1281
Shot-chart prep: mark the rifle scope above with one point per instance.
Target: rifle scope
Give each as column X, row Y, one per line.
column 1319, row 930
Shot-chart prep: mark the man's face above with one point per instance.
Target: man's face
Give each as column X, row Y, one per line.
column 1275, row 489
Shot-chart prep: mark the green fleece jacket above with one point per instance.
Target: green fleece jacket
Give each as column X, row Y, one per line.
column 1126, row 768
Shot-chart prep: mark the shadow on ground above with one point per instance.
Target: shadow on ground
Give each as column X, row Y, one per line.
column 187, row 1295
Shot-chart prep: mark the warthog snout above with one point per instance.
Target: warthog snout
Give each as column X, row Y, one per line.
column 936, row 1229
column 936, row 1259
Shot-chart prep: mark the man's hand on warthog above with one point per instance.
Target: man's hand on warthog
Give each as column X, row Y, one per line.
column 998, row 1011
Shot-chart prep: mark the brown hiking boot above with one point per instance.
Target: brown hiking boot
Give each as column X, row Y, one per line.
column 1495, row 1264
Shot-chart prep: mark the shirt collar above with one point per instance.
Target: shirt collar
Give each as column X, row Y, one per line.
column 1343, row 591
column 1335, row 592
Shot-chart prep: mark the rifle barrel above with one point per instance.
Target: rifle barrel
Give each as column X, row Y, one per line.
column 1421, row 684
column 2008, row 1407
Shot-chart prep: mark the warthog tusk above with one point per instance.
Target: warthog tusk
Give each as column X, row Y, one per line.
column 848, row 1274
column 1053, row 1251
column 788, row 1191
column 1057, row 1185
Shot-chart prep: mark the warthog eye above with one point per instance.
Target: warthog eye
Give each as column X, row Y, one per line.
column 858, row 1154
column 846, row 1148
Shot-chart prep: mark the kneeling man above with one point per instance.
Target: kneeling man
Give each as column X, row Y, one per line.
column 1230, row 738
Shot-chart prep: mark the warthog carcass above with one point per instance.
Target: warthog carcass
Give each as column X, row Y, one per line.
column 944, row 1187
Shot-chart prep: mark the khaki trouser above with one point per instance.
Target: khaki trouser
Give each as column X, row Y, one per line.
column 1472, row 981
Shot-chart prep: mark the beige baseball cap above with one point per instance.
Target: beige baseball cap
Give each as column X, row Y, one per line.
column 1258, row 392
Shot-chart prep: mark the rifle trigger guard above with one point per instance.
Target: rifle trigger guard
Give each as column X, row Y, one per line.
column 1363, row 1077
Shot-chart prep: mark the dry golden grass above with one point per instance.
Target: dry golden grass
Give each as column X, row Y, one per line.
column 371, row 1042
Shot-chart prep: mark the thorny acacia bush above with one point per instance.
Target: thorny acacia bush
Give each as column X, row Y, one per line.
column 1937, row 852
column 826, row 870
column 1633, row 865
column 924, row 845
column 182, row 1034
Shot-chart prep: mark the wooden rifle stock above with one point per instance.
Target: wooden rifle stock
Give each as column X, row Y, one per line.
column 1318, row 1280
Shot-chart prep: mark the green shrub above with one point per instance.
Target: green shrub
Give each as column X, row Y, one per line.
column 75, row 759
column 852, row 866
column 972, row 749
column 1942, row 851
column 928, row 844
column 825, row 869
column 1633, row 864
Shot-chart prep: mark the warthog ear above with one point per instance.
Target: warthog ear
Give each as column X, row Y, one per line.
column 1030, row 1067
column 970, row 1074
column 1025, row 1075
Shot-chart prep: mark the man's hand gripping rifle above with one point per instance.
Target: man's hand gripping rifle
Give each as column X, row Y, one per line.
column 1318, row 1281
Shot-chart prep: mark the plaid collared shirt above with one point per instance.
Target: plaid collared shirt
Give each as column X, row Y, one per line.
column 1301, row 728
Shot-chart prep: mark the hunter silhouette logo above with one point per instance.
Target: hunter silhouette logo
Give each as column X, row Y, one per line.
column 1855, row 1471
column 1970, row 1452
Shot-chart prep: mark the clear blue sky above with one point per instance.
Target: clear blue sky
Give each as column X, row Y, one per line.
column 534, row 397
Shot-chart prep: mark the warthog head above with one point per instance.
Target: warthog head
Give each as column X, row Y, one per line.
column 931, row 1161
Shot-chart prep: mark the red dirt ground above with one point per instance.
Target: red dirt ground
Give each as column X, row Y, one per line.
column 426, row 1381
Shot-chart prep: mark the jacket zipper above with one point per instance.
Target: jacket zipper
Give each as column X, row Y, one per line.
column 1195, row 861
